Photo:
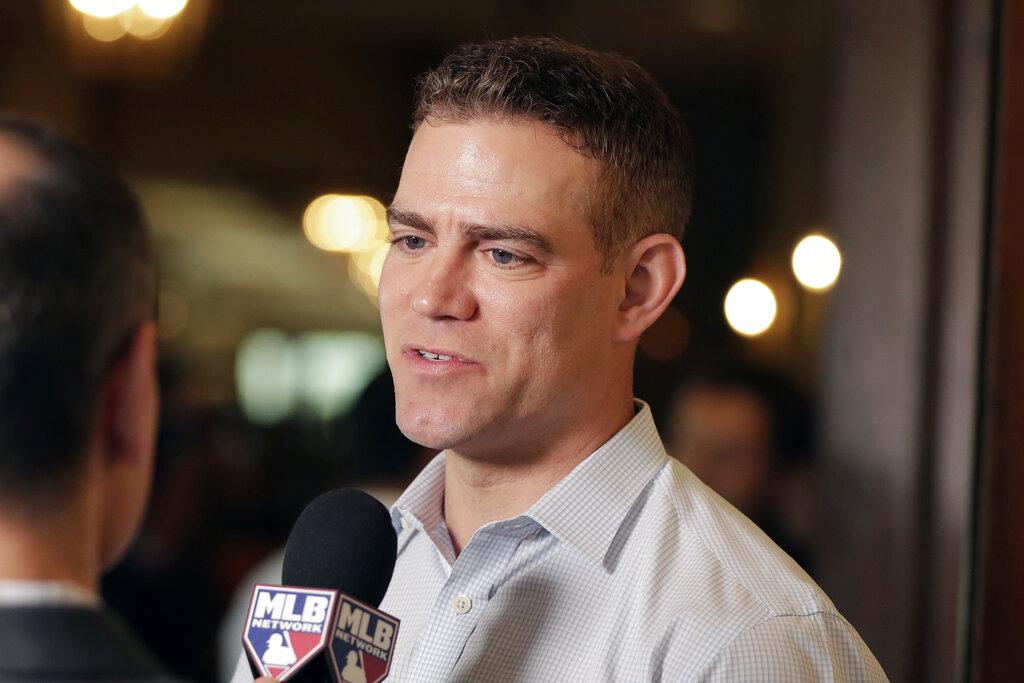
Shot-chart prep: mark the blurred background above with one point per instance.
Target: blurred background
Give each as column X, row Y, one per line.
column 819, row 367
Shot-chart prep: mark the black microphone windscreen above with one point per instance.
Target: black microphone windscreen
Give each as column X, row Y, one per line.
column 342, row 541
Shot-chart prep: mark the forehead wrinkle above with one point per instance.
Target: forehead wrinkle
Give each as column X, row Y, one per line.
column 478, row 184
column 481, row 174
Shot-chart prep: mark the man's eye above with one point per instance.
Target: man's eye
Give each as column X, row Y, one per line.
column 503, row 258
column 413, row 242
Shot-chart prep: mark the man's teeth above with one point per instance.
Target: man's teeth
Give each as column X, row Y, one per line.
column 434, row 356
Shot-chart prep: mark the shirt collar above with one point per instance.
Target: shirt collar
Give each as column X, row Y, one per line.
column 420, row 504
column 584, row 510
column 25, row 593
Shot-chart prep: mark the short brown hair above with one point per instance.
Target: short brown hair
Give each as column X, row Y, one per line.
column 605, row 106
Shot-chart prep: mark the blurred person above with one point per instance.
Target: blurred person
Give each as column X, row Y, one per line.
column 747, row 434
column 78, row 406
column 535, row 238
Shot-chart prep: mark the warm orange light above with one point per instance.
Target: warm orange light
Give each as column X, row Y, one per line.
column 817, row 262
column 105, row 30
column 102, row 9
column 162, row 9
column 364, row 268
column 346, row 223
column 143, row 26
column 750, row 307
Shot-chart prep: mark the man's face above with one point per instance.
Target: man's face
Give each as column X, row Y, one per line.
column 496, row 316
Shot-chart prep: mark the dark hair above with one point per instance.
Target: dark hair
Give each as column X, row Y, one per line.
column 77, row 277
column 603, row 105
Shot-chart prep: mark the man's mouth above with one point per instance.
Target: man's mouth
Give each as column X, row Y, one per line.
column 435, row 357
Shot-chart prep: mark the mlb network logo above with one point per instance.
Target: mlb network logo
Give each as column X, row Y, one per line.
column 363, row 642
column 286, row 627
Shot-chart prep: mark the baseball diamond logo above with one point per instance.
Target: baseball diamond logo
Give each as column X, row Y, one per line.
column 286, row 627
column 362, row 642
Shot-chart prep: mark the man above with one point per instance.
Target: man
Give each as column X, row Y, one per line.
column 535, row 238
column 535, row 232
column 78, row 406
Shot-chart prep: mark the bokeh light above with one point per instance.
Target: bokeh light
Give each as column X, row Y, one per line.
column 817, row 262
column 102, row 9
column 364, row 268
column 143, row 26
column 356, row 225
column 109, row 20
column 318, row 374
column 265, row 377
column 103, row 29
column 750, row 307
column 344, row 223
column 162, row 9
column 333, row 369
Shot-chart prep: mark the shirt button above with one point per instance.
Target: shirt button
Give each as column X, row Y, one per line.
column 462, row 604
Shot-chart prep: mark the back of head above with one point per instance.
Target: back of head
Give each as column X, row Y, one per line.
column 77, row 277
column 604, row 106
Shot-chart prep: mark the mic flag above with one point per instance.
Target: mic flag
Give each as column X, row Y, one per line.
column 362, row 642
column 288, row 627
column 343, row 546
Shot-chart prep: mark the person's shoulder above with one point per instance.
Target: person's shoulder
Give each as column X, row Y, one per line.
column 805, row 647
column 94, row 644
column 733, row 549
column 734, row 602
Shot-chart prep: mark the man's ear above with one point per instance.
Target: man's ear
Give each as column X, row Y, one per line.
column 131, row 399
column 654, row 271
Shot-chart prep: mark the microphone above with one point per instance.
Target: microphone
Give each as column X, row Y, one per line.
column 323, row 625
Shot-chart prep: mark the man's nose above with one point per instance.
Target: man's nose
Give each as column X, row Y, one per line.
column 445, row 291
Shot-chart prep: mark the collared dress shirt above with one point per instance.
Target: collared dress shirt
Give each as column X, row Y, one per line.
column 25, row 593
column 628, row 569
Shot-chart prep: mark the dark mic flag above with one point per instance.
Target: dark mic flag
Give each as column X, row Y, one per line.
column 323, row 624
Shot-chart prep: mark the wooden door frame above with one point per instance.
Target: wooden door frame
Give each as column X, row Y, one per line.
column 994, row 650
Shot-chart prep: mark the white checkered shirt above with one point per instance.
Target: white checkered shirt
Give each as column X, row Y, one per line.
column 629, row 569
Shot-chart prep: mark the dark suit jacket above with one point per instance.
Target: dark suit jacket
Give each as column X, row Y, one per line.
column 72, row 644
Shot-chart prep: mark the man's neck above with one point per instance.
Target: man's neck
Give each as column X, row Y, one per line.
column 49, row 550
column 478, row 492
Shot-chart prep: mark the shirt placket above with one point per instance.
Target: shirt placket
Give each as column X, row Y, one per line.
column 463, row 599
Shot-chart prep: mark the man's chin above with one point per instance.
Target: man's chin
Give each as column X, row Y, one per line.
column 432, row 430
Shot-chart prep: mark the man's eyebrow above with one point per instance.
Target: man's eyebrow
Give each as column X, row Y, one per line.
column 409, row 219
column 478, row 231
column 515, row 233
